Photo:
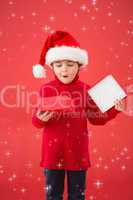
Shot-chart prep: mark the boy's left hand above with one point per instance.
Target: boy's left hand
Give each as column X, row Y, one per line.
column 120, row 105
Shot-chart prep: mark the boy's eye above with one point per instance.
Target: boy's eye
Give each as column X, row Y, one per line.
column 58, row 65
column 70, row 65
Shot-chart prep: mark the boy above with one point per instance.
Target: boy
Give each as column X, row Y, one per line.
column 65, row 135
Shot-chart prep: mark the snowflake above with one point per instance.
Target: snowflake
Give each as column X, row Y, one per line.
column 68, row 134
column 59, row 164
column 92, row 197
column 83, row 28
column 21, row 17
column 96, row 9
column 129, row 78
column 98, row 184
column 48, row 188
column 117, row 158
column 13, row 14
column 8, row 153
column 123, row 167
column 69, row 151
column 34, row 14
column 23, row 190
column 10, row 179
column 107, row 62
column 130, row 21
column 94, row 150
column 83, row 7
column 1, row 171
column 116, row 56
column 38, row 135
column 68, row 1
column 1, row 33
column 112, row 3
column 4, row 49
column 106, row 167
column 51, row 18
column 94, row 2
column 93, row 18
column 128, row 157
column 118, row 20
column 97, row 165
column 68, row 125
column 122, row 43
column 46, row 28
column 130, row 65
column 50, row 143
column 100, row 158
column 112, row 160
column 109, row 14
column 33, row 22
column 55, row 140
column 82, row 193
column 103, row 27
column 10, row 2
column 38, row 179
column 125, row 149
column 75, row 14
column 14, row 189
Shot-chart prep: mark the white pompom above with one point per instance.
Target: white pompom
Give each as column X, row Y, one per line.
column 39, row 71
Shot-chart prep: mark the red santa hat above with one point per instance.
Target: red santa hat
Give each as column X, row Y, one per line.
column 59, row 45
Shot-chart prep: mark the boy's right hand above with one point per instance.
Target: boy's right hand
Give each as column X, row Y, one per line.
column 44, row 115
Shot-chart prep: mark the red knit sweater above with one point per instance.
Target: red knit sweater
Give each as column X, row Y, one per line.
column 65, row 141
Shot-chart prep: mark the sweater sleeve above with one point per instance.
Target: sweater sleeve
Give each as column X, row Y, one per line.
column 35, row 120
column 95, row 116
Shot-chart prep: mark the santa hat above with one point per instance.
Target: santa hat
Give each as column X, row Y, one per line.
column 59, row 45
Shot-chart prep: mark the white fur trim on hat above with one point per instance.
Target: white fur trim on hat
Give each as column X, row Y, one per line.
column 39, row 71
column 66, row 52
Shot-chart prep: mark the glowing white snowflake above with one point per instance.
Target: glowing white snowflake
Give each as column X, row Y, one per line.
column 98, row 184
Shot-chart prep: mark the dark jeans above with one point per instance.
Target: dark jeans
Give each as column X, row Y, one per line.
column 76, row 184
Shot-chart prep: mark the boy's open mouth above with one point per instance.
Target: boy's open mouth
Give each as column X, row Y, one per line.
column 65, row 76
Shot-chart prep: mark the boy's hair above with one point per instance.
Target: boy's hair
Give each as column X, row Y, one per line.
column 79, row 64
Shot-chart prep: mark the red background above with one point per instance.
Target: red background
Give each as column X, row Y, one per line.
column 105, row 30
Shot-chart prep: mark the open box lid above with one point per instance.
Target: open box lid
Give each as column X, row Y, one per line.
column 105, row 92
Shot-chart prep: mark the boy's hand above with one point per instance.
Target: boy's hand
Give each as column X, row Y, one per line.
column 120, row 105
column 44, row 116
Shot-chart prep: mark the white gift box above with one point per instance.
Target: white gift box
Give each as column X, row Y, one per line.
column 105, row 92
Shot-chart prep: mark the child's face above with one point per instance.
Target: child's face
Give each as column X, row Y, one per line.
column 65, row 70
